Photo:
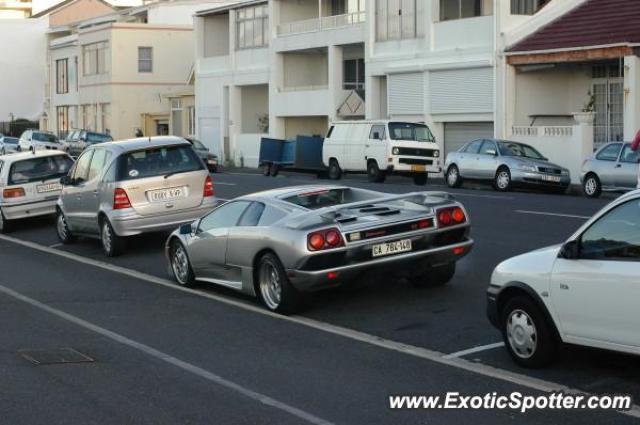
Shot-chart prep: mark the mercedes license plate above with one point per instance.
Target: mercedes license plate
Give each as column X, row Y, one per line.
column 170, row 194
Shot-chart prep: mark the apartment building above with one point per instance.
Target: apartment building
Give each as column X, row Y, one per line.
column 288, row 67
column 115, row 73
column 15, row 9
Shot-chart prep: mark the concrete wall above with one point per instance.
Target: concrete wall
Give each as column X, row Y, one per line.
column 559, row 91
column 23, row 77
column 216, row 35
column 305, row 70
column 172, row 53
column 308, row 126
column 255, row 104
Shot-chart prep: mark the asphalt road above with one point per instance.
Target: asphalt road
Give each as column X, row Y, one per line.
column 165, row 355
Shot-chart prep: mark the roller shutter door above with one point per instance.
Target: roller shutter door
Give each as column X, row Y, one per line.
column 406, row 94
column 457, row 134
column 461, row 91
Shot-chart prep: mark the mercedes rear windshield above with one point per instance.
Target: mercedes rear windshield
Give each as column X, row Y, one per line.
column 158, row 161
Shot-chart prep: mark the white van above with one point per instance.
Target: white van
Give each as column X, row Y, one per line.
column 380, row 148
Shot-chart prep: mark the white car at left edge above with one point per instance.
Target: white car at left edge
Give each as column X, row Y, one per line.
column 30, row 184
column 584, row 292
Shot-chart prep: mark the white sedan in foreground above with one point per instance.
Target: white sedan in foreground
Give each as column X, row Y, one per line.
column 584, row 292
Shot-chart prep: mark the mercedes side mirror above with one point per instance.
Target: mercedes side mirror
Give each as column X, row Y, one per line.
column 376, row 135
column 570, row 250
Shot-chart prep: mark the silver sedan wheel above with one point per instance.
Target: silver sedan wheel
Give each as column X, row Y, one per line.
column 452, row 176
column 180, row 265
column 522, row 334
column 270, row 285
column 503, row 180
column 591, row 186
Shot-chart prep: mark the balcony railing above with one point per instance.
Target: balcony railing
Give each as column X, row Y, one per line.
column 544, row 131
column 303, row 88
column 322, row 23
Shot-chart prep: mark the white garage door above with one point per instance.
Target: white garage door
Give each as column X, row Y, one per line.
column 457, row 134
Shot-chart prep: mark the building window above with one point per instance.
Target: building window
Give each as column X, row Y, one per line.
column 62, row 76
column 252, row 25
column 192, row 120
column 105, row 116
column 62, row 113
column 354, row 74
column 145, row 59
column 459, row 9
column 95, row 58
column 399, row 19
column 176, row 117
column 526, row 7
column 89, row 117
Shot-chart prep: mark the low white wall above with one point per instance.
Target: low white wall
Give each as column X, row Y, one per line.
column 565, row 146
column 469, row 32
column 246, row 149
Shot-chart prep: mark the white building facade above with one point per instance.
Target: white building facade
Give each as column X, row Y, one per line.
column 289, row 67
column 115, row 73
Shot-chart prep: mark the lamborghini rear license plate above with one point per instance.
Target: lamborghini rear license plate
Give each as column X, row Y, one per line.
column 389, row 248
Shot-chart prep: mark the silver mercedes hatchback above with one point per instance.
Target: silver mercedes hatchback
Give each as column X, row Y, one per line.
column 125, row 188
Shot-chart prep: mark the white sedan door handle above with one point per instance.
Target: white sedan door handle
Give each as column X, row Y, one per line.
column 564, row 286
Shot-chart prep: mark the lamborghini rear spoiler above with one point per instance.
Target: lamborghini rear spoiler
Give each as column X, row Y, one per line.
column 419, row 198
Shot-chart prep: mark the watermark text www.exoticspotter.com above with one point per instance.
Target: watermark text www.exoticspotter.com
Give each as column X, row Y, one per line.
column 514, row 401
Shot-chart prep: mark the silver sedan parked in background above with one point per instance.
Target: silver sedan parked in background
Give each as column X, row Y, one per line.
column 506, row 164
column 613, row 167
column 283, row 243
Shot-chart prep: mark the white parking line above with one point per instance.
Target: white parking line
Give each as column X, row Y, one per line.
column 474, row 350
column 419, row 352
column 504, row 198
column 56, row 245
column 195, row 370
column 580, row 217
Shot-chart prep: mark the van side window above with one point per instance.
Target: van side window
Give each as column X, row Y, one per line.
column 330, row 131
column 377, row 132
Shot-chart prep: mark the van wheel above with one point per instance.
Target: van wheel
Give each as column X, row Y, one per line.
column 420, row 179
column 374, row 173
column 335, row 172
column 112, row 244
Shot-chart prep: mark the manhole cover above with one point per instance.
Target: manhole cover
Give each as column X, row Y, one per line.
column 55, row 356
